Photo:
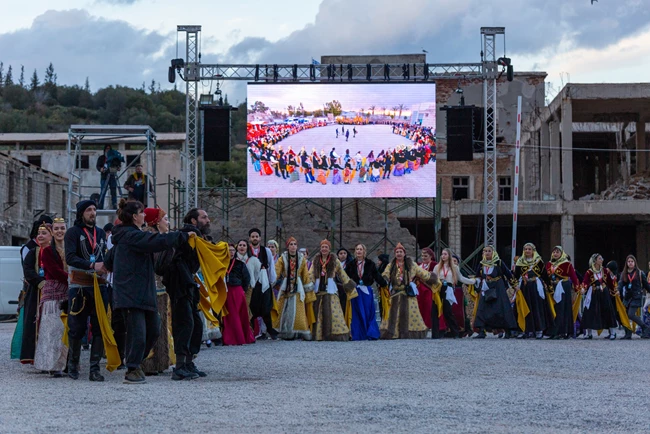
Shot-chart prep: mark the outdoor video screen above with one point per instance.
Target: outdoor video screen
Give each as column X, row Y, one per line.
column 341, row 140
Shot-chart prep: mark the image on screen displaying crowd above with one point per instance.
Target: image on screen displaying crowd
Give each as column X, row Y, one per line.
column 341, row 140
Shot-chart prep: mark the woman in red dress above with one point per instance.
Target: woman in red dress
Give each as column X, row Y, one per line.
column 425, row 295
column 236, row 329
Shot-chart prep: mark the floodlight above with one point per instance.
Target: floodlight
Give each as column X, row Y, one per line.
column 206, row 99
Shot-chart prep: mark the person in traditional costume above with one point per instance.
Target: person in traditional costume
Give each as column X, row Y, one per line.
column 451, row 294
column 330, row 323
column 598, row 288
column 425, row 294
column 494, row 310
column 35, row 278
column 261, row 300
column 632, row 285
column 134, row 284
column 344, row 258
column 157, row 221
column 364, row 273
column 404, row 320
column 51, row 353
column 530, row 272
column 274, row 247
column 236, row 328
column 564, row 282
column 85, row 248
column 295, row 291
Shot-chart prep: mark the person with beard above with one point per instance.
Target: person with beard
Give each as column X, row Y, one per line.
column 85, row 247
column 35, row 278
column 261, row 303
column 295, row 291
column 27, row 300
column 330, row 322
column 187, row 326
column 134, row 285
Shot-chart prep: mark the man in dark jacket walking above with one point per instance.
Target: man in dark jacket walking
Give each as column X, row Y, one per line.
column 187, row 326
column 134, row 285
column 85, row 247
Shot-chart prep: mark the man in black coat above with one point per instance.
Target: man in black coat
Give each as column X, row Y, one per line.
column 85, row 247
column 134, row 284
column 187, row 326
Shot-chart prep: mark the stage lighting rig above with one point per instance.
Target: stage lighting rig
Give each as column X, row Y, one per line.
column 507, row 67
column 459, row 91
column 176, row 66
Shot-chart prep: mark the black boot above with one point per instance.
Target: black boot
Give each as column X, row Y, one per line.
column 74, row 354
column 96, row 353
column 480, row 335
column 628, row 334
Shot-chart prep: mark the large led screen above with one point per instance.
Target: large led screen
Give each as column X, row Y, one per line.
column 341, row 140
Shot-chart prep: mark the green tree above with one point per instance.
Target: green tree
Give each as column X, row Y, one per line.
column 50, row 83
column 34, row 83
column 87, row 85
column 16, row 96
column 334, row 107
column 152, row 87
column 21, row 80
column 9, row 78
column 259, row 107
column 2, row 69
column 401, row 107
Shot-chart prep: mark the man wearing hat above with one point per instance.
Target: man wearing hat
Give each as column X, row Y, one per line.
column 261, row 302
column 85, row 247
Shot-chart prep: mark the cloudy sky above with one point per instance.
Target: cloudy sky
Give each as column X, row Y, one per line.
column 127, row 42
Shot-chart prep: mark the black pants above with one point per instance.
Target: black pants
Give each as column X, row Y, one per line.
column 187, row 326
column 142, row 330
column 118, row 324
column 450, row 319
column 81, row 302
column 261, row 305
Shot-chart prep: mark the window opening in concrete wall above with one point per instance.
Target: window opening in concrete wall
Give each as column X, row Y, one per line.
column 34, row 159
column 460, row 188
column 505, row 188
column 83, row 162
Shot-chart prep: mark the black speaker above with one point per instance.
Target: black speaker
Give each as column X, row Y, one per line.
column 460, row 133
column 216, row 134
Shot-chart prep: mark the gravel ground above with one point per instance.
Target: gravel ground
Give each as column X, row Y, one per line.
column 491, row 385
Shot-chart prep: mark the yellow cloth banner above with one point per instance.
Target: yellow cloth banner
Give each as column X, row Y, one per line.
column 576, row 306
column 384, row 296
column 309, row 311
column 522, row 310
column 348, row 312
column 438, row 302
column 205, row 306
column 213, row 258
column 471, row 291
column 66, row 329
column 551, row 304
column 622, row 313
column 275, row 316
column 112, row 354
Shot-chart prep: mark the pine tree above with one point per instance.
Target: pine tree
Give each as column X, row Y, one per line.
column 2, row 68
column 50, row 76
column 87, row 85
column 152, row 87
column 9, row 78
column 225, row 100
column 34, row 83
column 21, row 80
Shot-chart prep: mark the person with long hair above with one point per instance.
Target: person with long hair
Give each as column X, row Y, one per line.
column 295, row 291
column 235, row 327
column 35, row 278
column 157, row 221
column 344, row 258
column 51, row 352
column 632, row 285
column 364, row 273
column 598, row 288
column 425, row 294
column 134, row 284
column 564, row 282
column 530, row 272
column 330, row 323
column 450, row 276
column 494, row 311
column 404, row 320
column 254, row 267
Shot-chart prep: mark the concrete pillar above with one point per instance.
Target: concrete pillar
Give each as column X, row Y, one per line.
column 455, row 229
column 641, row 157
column 568, row 235
column 567, row 149
column 545, row 160
column 555, row 230
column 555, row 169
column 643, row 244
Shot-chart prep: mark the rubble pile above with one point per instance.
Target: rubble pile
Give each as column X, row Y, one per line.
column 637, row 189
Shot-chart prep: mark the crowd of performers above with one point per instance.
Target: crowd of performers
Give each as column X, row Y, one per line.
column 142, row 295
column 268, row 157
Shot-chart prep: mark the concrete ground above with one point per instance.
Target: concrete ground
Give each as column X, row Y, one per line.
column 490, row 385
column 420, row 183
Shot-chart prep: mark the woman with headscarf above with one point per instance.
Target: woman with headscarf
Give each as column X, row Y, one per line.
column 330, row 322
column 598, row 288
column 425, row 295
column 157, row 221
column 51, row 354
column 564, row 282
column 450, row 293
column 35, row 277
column 235, row 326
column 295, row 291
column 364, row 273
column 494, row 310
column 275, row 249
column 404, row 320
column 254, row 267
column 530, row 272
column 632, row 285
